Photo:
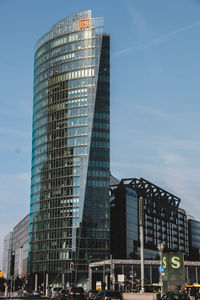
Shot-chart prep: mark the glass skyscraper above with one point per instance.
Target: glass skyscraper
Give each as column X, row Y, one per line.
column 69, row 211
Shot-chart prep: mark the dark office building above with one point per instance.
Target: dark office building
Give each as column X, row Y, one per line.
column 70, row 208
column 164, row 221
column 124, row 222
column 194, row 239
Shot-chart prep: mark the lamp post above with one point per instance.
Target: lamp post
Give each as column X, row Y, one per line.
column 160, row 249
column 141, row 226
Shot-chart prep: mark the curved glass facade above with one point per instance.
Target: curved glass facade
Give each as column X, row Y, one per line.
column 69, row 213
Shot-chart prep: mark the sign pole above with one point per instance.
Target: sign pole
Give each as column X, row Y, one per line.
column 160, row 249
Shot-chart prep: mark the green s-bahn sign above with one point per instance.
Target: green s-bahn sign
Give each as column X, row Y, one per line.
column 173, row 264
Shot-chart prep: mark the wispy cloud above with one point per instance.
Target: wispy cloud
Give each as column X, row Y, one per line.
column 186, row 144
column 137, row 19
column 14, row 132
column 156, row 41
column 183, row 178
column 156, row 112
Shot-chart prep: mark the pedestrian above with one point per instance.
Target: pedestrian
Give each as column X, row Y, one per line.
column 6, row 291
column 49, row 292
column 192, row 293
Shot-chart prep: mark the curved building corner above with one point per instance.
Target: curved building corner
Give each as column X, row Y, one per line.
column 69, row 209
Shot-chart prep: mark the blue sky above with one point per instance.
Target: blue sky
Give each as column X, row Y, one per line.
column 155, row 92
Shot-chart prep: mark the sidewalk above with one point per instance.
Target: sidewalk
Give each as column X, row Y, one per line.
column 11, row 295
column 15, row 295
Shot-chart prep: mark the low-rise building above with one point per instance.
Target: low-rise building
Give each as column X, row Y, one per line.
column 164, row 221
column 7, row 254
column 20, row 247
column 194, row 238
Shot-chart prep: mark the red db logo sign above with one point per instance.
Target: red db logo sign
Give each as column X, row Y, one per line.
column 84, row 23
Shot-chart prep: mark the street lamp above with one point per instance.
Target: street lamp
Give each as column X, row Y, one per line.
column 141, row 227
column 160, row 249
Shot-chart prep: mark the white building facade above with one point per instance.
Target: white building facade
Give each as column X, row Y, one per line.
column 7, row 251
column 20, row 247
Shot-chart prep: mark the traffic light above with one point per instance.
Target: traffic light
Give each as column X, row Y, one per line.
column 71, row 265
column 1, row 273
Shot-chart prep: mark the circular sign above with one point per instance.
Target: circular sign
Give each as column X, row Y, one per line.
column 161, row 269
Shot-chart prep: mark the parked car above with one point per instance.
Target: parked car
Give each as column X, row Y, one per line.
column 54, row 293
column 35, row 294
column 91, row 294
column 175, row 296
column 63, row 294
column 108, row 295
column 76, row 293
